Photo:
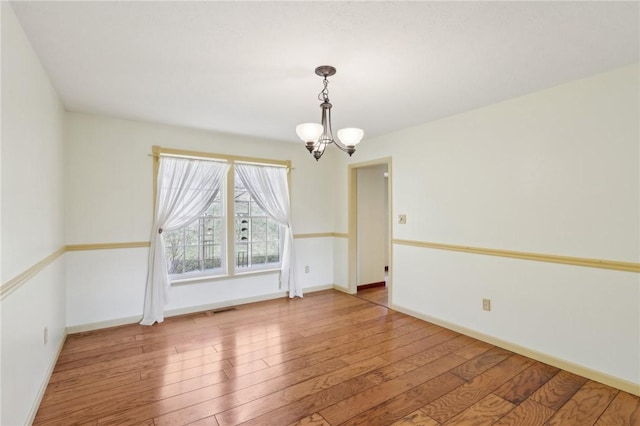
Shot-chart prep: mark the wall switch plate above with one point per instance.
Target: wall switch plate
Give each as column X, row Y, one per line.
column 306, row 269
column 486, row 304
column 402, row 219
column 46, row 335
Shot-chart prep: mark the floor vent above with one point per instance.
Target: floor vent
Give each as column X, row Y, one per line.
column 227, row 309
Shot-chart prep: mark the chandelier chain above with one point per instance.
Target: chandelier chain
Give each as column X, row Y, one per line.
column 324, row 93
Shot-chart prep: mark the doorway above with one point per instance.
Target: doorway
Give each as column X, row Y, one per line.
column 370, row 230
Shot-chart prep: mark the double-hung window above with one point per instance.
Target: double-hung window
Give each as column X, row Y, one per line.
column 234, row 235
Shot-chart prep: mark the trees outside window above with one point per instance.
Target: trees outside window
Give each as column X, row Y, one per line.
column 198, row 247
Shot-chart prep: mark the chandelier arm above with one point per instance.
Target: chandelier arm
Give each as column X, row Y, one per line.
column 340, row 145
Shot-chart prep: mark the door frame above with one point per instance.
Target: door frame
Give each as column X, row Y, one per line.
column 353, row 222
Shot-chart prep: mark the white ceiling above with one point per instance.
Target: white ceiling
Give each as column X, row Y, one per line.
column 248, row 67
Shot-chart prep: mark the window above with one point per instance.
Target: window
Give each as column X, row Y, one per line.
column 202, row 248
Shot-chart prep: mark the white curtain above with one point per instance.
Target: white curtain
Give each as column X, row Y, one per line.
column 186, row 188
column 269, row 188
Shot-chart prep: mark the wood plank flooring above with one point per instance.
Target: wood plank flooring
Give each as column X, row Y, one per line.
column 377, row 295
column 327, row 359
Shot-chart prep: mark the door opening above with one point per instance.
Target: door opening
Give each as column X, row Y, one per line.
column 369, row 230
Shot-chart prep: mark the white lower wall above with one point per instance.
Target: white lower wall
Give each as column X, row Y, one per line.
column 107, row 286
column 27, row 361
column 223, row 292
column 317, row 254
column 341, row 262
column 586, row 316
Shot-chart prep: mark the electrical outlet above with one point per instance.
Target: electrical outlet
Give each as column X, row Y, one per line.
column 46, row 335
column 486, row 304
column 306, row 269
column 402, row 219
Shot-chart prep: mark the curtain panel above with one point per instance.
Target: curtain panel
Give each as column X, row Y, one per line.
column 270, row 189
column 186, row 188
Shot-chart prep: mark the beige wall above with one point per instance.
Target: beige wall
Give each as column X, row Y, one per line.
column 32, row 198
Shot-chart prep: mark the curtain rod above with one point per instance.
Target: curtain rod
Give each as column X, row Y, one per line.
column 191, row 157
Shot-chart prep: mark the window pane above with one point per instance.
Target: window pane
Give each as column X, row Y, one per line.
column 241, row 193
column 217, row 256
column 215, row 209
column 273, row 252
column 258, row 229
column 207, row 228
column 242, row 255
column 242, row 207
column 258, row 253
column 273, row 231
column 242, row 229
column 256, row 210
column 174, row 245
column 218, row 230
column 198, row 246
column 192, row 232
column 191, row 259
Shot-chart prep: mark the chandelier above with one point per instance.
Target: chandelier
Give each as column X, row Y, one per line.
column 317, row 136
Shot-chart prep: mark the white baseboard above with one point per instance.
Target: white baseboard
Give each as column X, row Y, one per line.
column 342, row 289
column 616, row 382
column 224, row 304
column 43, row 386
column 318, row 288
column 80, row 328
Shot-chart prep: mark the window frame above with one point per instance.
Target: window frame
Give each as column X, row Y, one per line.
column 229, row 269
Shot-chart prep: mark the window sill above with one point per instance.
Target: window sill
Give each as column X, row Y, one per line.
column 202, row 278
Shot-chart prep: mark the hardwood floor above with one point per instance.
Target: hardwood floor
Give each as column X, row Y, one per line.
column 327, row 359
column 377, row 295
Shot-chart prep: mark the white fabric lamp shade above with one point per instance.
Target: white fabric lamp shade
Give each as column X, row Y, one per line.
column 309, row 132
column 350, row 136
